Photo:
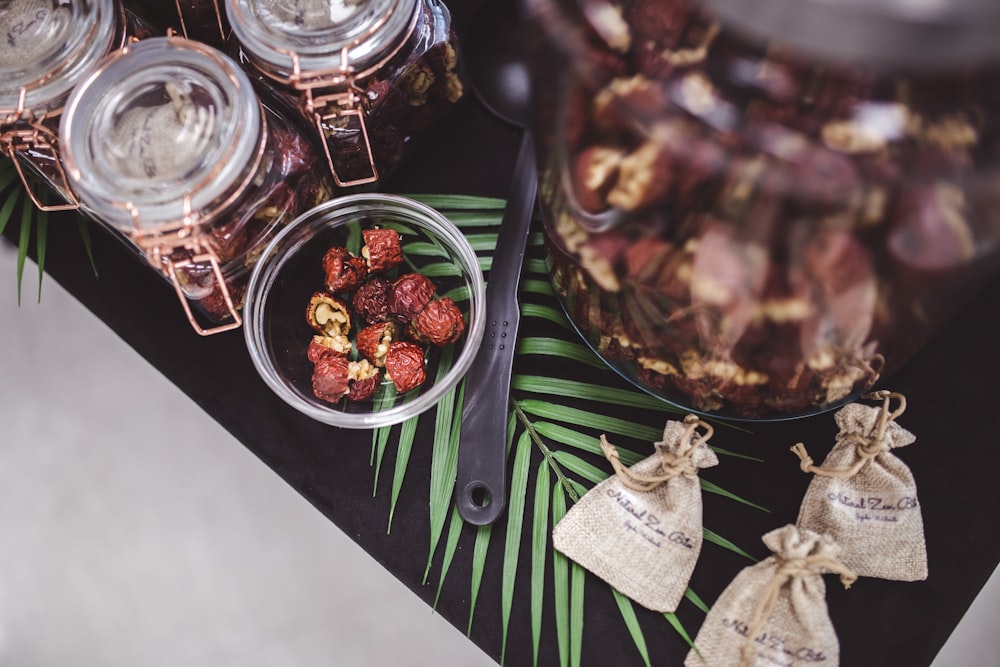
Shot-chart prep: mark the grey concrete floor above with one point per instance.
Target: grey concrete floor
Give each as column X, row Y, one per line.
column 134, row 531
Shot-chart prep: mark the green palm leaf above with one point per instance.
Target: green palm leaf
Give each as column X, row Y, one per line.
column 450, row 547
column 444, row 465
column 15, row 196
column 515, row 523
column 560, row 580
column 478, row 567
column 407, row 433
column 632, row 623
column 539, row 550
column 577, row 578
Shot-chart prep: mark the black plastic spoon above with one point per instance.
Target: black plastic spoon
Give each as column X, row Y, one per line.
column 495, row 56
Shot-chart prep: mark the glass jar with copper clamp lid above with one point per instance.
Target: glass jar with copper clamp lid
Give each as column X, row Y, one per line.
column 168, row 145
column 48, row 47
column 368, row 75
column 760, row 214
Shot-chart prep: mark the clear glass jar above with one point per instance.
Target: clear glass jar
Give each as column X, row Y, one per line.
column 168, row 145
column 369, row 76
column 48, row 47
column 758, row 214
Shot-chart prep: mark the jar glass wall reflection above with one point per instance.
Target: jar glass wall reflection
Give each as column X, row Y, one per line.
column 761, row 228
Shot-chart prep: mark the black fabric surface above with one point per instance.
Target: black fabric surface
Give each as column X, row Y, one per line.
column 950, row 386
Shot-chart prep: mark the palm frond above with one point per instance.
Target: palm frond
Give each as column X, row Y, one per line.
column 576, row 581
column 515, row 523
column 560, row 580
column 632, row 623
column 444, row 465
column 450, row 547
column 15, row 197
column 478, row 568
column 559, row 417
column 407, row 433
column 539, row 552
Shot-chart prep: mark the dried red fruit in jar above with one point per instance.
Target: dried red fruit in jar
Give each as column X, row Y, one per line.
column 362, row 380
column 595, row 171
column 330, row 317
column 644, row 176
column 931, row 230
column 373, row 341
column 410, row 293
column 344, row 272
column 440, row 322
column 371, row 301
column 330, row 378
column 383, row 249
column 404, row 364
column 322, row 346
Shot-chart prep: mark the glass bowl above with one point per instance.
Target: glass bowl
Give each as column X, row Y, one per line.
column 291, row 271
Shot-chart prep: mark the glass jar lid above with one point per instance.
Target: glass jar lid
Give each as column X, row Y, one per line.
column 276, row 33
column 893, row 33
column 48, row 46
column 165, row 129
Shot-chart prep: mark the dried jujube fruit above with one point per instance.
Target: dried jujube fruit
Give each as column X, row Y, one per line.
column 330, row 317
column 595, row 171
column 343, row 271
column 362, row 380
column 330, row 378
column 440, row 322
column 373, row 341
column 404, row 365
column 371, row 301
column 383, row 249
column 410, row 293
column 321, row 346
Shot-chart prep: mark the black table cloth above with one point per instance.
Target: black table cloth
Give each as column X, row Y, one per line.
column 950, row 386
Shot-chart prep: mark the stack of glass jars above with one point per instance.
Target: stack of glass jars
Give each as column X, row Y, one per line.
column 756, row 214
column 168, row 144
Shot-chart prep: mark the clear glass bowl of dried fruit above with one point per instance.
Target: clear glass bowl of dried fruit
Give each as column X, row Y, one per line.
column 365, row 310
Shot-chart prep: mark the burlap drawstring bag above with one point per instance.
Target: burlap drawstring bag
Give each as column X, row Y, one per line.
column 774, row 612
column 865, row 497
column 640, row 530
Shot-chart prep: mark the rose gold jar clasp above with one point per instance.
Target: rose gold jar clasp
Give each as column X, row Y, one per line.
column 218, row 20
column 333, row 95
column 159, row 245
column 343, row 108
column 20, row 132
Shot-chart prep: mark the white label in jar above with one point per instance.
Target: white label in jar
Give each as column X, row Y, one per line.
column 31, row 30
column 163, row 141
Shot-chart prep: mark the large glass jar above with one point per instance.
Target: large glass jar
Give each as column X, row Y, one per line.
column 757, row 213
column 168, row 146
column 370, row 76
column 48, row 47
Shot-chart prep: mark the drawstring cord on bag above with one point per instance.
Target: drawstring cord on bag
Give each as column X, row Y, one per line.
column 671, row 464
column 867, row 448
column 788, row 569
